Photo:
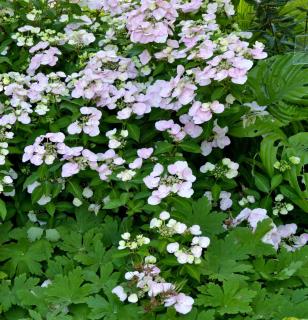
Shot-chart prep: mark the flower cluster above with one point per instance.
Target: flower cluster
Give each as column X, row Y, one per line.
column 44, row 149
column 89, row 122
column 218, row 140
column 146, row 281
column 283, row 235
column 152, row 21
column 177, row 180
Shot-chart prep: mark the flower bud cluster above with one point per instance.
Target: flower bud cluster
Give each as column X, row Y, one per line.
column 285, row 165
column 132, row 244
column 226, row 169
column 281, row 207
column 246, row 200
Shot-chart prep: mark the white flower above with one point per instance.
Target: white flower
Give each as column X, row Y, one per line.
column 180, row 227
column 133, row 298
column 7, row 179
column 130, row 275
column 155, row 223
column 87, row 192
column 77, row 202
column 125, row 236
column 122, row 245
column 207, row 167
column 120, row 293
column 150, row 259
column 190, row 259
column 196, row 251
column 230, row 99
column 44, row 200
column 173, row 247
column 113, row 144
column 204, row 242
column 124, row 133
column 171, row 223
column 32, row 186
column 295, row 160
column 46, row 283
column 195, row 230
column 182, row 257
column 164, row 215
column 156, row 288
column 126, row 175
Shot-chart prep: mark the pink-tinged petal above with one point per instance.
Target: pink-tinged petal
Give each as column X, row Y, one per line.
column 69, row 169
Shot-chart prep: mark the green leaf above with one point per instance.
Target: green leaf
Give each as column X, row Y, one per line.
column 163, row 147
column 5, row 60
column 69, row 289
column 268, row 152
column 261, row 126
column 133, row 131
column 262, row 182
column 276, row 181
column 3, row 210
column 116, row 203
column 74, row 188
column 210, row 223
column 50, row 208
column 279, row 79
column 24, row 257
column 193, row 271
column 206, row 315
column 232, row 298
column 190, row 147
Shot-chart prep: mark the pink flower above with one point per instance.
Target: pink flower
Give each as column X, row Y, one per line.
column 145, row 153
column 90, row 122
column 192, row 6
column 47, row 57
column 148, row 23
column 156, row 288
column 178, row 180
column 69, row 169
column 202, row 112
column 145, row 57
column 136, row 164
column 182, row 303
